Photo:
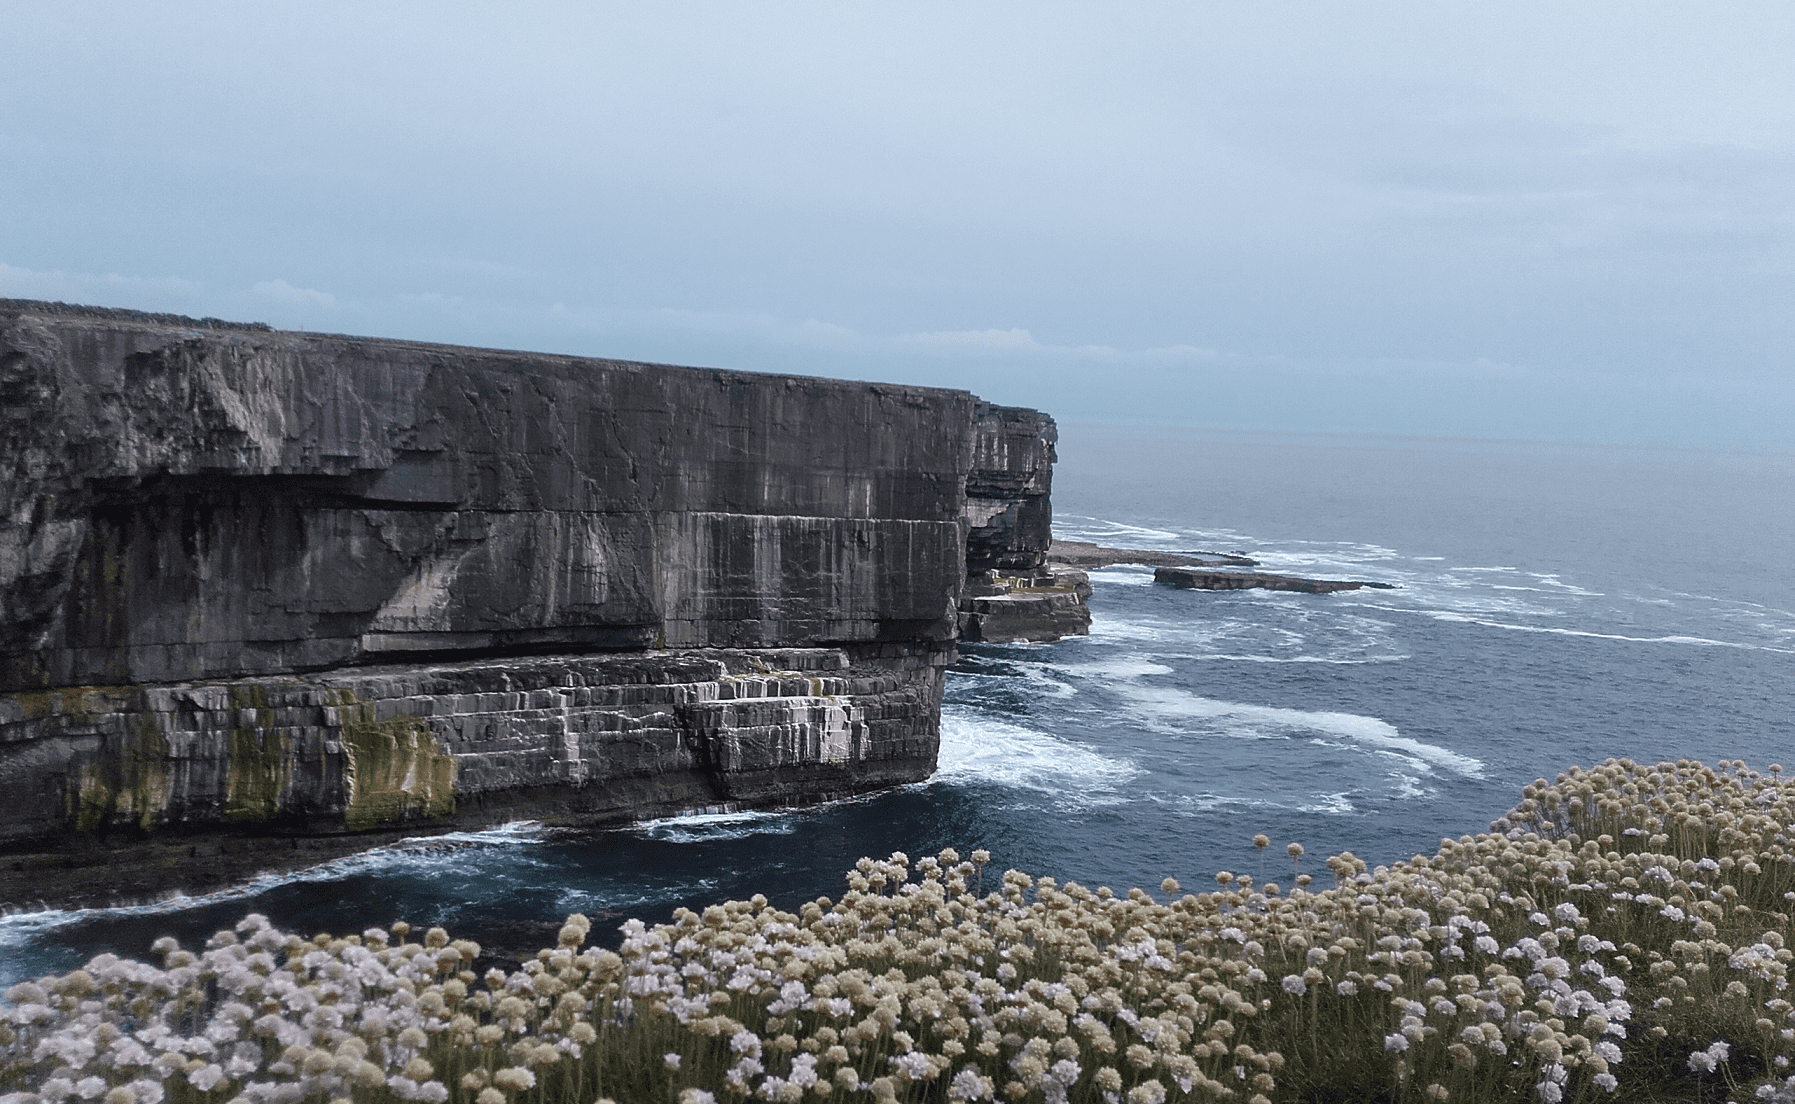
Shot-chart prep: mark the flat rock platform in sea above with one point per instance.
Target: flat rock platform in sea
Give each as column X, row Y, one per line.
column 264, row 585
column 1187, row 578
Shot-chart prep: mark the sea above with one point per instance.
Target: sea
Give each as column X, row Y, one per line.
column 1552, row 605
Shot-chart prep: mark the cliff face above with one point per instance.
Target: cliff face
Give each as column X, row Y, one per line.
column 202, row 503
column 262, row 582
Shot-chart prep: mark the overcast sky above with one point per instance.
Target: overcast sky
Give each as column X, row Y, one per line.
column 1560, row 220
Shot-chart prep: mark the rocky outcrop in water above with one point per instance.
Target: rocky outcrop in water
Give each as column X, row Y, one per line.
column 1010, row 595
column 261, row 584
column 1185, row 578
column 1038, row 607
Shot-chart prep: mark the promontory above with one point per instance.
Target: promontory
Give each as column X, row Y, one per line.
column 267, row 596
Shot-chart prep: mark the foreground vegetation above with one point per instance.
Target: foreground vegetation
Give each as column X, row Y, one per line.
column 1618, row 935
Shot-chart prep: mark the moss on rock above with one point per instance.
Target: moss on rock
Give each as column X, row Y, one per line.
column 395, row 770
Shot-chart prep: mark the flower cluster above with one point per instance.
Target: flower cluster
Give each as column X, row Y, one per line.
column 1620, row 933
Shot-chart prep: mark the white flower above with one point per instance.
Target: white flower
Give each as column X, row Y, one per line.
column 672, row 1059
column 1147, row 1092
column 738, row 1074
column 969, row 1085
column 147, row 1092
column 1606, row 1082
column 1294, row 985
column 1397, row 1043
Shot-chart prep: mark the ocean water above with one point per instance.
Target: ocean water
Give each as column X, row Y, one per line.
column 1554, row 605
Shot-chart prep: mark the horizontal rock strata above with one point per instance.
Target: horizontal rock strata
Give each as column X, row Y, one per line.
column 1040, row 606
column 559, row 740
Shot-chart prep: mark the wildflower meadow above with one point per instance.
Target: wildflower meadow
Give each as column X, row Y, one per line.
column 1619, row 935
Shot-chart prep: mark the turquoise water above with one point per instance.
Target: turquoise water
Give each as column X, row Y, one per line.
column 1555, row 605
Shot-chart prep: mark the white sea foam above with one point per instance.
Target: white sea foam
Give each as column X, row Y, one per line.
column 705, row 827
column 976, row 748
column 629, row 898
column 1121, row 575
column 1118, row 667
column 1558, row 584
column 1071, row 527
column 1553, row 630
column 1358, row 661
column 1040, row 677
column 1042, row 680
column 1329, row 804
column 1264, row 721
column 20, row 927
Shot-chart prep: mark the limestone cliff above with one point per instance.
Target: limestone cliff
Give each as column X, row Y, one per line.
column 259, row 582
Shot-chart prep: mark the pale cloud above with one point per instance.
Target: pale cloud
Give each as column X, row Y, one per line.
column 282, row 296
column 170, row 293
column 1407, row 217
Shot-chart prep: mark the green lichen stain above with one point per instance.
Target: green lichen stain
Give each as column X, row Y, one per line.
column 261, row 765
column 260, row 756
column 396, row 770
column 35, row 705
column 74, row 705
column 129, row 781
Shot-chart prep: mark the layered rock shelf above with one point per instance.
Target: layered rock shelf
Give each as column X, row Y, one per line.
column 264, row 592
column 1043, row 605
column 561, row 740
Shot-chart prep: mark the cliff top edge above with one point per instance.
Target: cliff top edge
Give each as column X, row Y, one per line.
column 502, row 359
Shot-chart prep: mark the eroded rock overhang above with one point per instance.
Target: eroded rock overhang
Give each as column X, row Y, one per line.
column 250, row 578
